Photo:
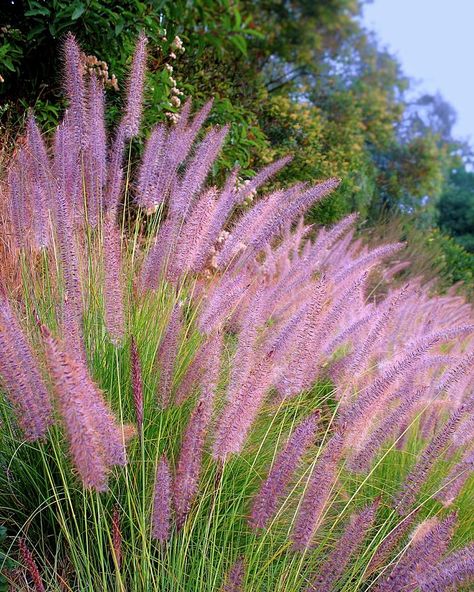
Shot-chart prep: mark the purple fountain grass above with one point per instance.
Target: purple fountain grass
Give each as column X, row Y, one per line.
column 274, row 221
column 40, row 171
column 221, row 301
column 171, row 153
column 240, row 412
column 235, row 578
column 30, row 564
column 374, row 396
column 117, row 537
column 20, row 374
column 95, row 157
column 456, row 479
column 304, row 340
column 19, row 206
column 260, row 178
column 327, row 239
column 390, row 543
column 196, row 172
column 147, row 195
column 75, row 89
column 386, row 312
column 193, row 375
column 137, row 385
column 95, row 440
column 188, row 469
column 417, row 476
column 134, row 101
column 192, row 233
column 265, row 502
column 455, row 373
column 360, row 459
column 366, row 262
column 167, row 352
column 348, row 544
column 455, row 570
column 429, row 543
column 72, row 307
column 158, row 256
column 317, row 494
column 465, row 432
column 161, row 517
column 113, row 288
column 326, row 328
column 115, row 172
column 246, row 352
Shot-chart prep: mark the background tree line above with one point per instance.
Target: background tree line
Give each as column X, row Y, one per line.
column 290, row 76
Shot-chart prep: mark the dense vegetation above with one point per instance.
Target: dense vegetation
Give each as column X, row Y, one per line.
column 200, row 392
column 293, row 76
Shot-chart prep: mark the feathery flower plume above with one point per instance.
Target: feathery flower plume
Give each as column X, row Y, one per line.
column 115, row 171
column 117, row 536
column 161, row 518
column 197, row 171
column 189, row 463
column 317, row 493
column 350, row 541
column 147, row 195
column 75, row 88
column 239, row 414
column 167, row 354
column 72, row 308
column 455, row 570
column 235, row 577
column 456, row 479
column 387, row 311
column 30, row 563
column 273, row 488
column 113, row 291
column 367, row 261
column 430, row 455
column 137, row 384
column 157, row 259
column 192, row 236
column 374, row 396
column 18, row 203
column 429, row 542
column 136, row 81
column 192, row 446
column 193, row 375
column 360, row 459
column 390, row 542
column 95, row 168
column 465, row 432
column 256, row 182
column 95, row 441
column 40, row 171
column 21, row 376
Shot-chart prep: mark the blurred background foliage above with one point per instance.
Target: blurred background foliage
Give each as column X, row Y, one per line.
column 290, row 76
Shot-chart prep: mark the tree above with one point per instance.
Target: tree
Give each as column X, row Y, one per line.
column 456, row 207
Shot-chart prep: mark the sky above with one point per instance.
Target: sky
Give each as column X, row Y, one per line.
column 434, row 42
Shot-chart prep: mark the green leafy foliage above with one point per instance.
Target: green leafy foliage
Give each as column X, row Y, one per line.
column 456, row 207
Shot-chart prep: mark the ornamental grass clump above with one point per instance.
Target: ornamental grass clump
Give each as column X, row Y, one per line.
column 200, row 392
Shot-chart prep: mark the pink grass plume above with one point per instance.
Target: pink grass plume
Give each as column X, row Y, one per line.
column 161, row 517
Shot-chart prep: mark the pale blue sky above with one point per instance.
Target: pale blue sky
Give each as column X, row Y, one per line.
column 434, row 42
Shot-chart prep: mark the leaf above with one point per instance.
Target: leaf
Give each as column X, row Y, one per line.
column 78, row 12
column 38, row 11
column 239, row 42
